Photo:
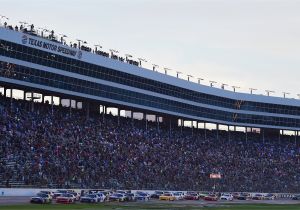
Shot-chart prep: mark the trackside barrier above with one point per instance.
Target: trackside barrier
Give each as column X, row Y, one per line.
column 34, row 191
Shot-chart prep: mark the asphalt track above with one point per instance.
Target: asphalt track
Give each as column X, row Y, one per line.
column 10, row 200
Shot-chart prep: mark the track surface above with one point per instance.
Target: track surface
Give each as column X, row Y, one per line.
column 8, row 200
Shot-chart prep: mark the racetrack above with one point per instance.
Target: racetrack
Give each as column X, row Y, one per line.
column 8, row 203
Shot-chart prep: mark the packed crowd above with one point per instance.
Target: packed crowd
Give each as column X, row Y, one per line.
column 66, row 149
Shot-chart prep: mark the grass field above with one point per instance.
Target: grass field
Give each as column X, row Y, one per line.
column 149, row 207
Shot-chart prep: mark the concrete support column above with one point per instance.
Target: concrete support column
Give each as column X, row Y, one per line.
column 157, row 121
column 181, row 125
column 205, row 131
column 246, row 134
column 217, row 125
column 131, row 114
column 32, row 102
column 279, row 136
column 192, row 123
column 146, row 121
column 43, row 99
column 4, row 91
column 70, row 106
column 52, row 104
column 263, row 135
column 119, row 113
column 228, row 133
column 24, row 95
column 11, row 97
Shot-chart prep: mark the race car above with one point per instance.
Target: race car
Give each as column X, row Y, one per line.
column 269, row 197
column 141, row 196
column 296, row 197
column 191, row 196
column 226, row 197
column 48, row 193
column 211, row 198
column 258, row 197
column 101, row 197
column 90, row 198
column 156, row 194
column 66, row 198
column 243, row 196
column 41, row 198
column 178, row 195
column 117, row 197
column 167, row 197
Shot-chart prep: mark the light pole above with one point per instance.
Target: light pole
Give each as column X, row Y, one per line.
column 62, row 37
column 112, row 51
column 3, row 17
column 189, row 76
column 142, row 59
column 212, row 83
column 285, row 93
column 166, row 70
column 235, row 87
column 199, row 80
column 223, row 86
column 127, row 56
column 155, row 66
column 177, row 73
column 269, row 91
column 43, row 30
column 79, row 42
column 96, row 47
column 251, row 90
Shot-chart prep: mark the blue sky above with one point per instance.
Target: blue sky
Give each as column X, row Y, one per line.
column 247, row 43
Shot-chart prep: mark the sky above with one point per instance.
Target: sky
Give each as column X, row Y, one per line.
column 245, row 43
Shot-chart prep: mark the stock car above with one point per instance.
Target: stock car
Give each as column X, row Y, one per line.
column 156, row 194
column 41, row 198
column 191, row 196
column 258, row 197
column 131, row 196
column 141, row 196
column 167, row 197
column 89, row 198
column 101, row 197
column 269, row 197
column 117, row 197
column 211, row 198
column 178, row 195
column 296, row 197
column 243, row 196
column 226, row 197
column 66, row 198
column 48, row 193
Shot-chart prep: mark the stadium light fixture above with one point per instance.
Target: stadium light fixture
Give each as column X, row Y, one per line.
column 199, row 80
column 155, row 66
column 3, row 17
column 223, row 86
column 142, row 59
column 269, row 91
column 285, row 93
column 177, row 73
column 189, row 76
column 128, row 56
column 235, row 87
column 166, row 70
column 251, row 90
column 96, row 47
column 212, row 83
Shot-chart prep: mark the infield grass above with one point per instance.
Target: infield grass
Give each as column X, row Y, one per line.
column 149, row 207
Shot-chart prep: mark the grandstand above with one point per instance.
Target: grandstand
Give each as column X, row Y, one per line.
column 46, row 145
